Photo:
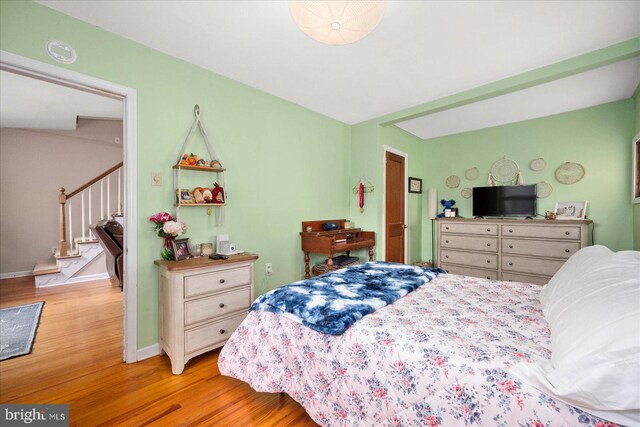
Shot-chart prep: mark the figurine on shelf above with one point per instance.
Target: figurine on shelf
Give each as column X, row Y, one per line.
column 184, row 160
column 215, row 164
column 198, row 195
column 188, row 160
column 207, row 196
column 202, row 162
column 217, row 193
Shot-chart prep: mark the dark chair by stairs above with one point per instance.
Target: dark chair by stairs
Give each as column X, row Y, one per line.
column 109, row 234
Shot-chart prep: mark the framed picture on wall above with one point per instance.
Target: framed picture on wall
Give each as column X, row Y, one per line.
column 415, row 185
column 571, row 210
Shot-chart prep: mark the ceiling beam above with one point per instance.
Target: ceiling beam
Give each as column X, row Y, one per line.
column 577, row 64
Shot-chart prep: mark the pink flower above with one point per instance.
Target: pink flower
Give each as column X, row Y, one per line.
column 174, row 228
column 379, row 393
column 399, row 365
column 310, row 355
column 342, row 413
column 437, row 361
column 340, row 371
column 537, row 423
column 506, row 386
column 430, row 421
column 458, row 390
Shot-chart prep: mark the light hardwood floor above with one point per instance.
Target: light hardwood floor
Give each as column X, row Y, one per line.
column 77, row 359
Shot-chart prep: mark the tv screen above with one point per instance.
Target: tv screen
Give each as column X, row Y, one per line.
column 507, row 200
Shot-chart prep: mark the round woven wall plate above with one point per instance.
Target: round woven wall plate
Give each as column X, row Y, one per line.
column 466, row 192
column 453, row 181
column 504, row 170
column 472, row 174
column 570, row 173
column 544, row 189
column 538, row 164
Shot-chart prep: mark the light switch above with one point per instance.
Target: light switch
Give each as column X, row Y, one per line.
column 156, row 178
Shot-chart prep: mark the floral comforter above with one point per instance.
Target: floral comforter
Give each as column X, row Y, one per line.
column 438, row 356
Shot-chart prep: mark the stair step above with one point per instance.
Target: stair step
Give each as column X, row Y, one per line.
column 69, row 255
column 86, row 240
column 45, row 267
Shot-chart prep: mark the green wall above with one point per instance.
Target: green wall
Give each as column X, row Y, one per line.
column 285, row 163
column 636, row 207
column 596, row 137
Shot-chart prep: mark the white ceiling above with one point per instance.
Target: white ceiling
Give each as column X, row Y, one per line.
column 35, row 104
column 606, row 84
column 421, row 51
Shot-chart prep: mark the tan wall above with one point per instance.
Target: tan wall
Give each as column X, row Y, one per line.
column 34, row 164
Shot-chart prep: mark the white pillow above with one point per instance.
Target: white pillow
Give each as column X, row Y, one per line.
column 593, row 308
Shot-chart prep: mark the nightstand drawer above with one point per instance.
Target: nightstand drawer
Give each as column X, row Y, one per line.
column 472, row 243
column 544, row 248
column 473, row 272
column 489, row 261
column 571, row 232
column 207, row 283
column 465, row 228
column 211, row 334
column 542, row 267
column 515, row 277
column 207, row 308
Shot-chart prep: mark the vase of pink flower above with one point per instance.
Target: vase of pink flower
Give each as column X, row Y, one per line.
column 168, row 229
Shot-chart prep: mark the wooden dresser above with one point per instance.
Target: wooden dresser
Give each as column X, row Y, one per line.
column 509, row 249
column 202, row 301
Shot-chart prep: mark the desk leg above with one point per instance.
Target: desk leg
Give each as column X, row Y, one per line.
column 306, row 266
column 330, row 263
column 370, row 253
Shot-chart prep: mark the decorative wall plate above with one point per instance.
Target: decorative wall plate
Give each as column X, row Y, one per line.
column 466, row 192
column 453, row 181
column 570, row 173
column 538, row 164
column 504, row 170
column 544, row 189
column 472, row 174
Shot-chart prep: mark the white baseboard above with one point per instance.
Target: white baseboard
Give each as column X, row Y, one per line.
column 147, row 352
column 15, row 274
column 81, row 279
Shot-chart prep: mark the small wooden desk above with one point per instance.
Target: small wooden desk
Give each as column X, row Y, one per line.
column 333, row 242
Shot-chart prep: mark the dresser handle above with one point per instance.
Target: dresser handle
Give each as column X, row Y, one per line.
column 510, row 230
column 488, row 261
column 221, row 305
column 567, row 233
column 510, row 246
column 510, row 263
column 567, row 250
column 488, row 244
column 446, row 228
column 222, row 331
column 221, row 280
column 446, row 256
column 488, row 229
column 488, row 277
column 446, row 241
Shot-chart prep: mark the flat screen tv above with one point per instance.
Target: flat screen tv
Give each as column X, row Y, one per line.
column 506, row 200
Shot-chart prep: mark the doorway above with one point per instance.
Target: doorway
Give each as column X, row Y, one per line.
column 395, row 171
column 61, row 76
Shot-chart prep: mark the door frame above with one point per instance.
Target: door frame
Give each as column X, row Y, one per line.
column 385, row 149
column 48, row 72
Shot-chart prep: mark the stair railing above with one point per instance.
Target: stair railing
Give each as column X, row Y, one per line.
column 66, row 224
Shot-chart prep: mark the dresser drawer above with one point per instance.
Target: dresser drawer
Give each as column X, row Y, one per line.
column 465, row 228
column 543, row 248
column 489, row 261
column 468, row 271
column 542, row 231
column 211, row 334
column 207, row 308
column 202, row 284
column 472, row 243
column 542, row 267
column 515, row 277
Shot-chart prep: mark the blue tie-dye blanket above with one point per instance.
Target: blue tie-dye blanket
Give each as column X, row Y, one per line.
column 332, row 302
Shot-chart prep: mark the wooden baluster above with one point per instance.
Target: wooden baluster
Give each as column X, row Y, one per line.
column 108, row 197
column 90, row 232
column 71, row 241
column 101, row 199
column 82, row 210
column 62, row 245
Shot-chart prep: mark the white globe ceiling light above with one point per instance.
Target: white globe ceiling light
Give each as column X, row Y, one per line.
column 337, row 22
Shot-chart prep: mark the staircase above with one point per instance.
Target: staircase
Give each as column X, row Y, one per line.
column 81, row 261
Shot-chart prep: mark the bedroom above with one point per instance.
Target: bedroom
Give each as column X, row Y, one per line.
column 257, row 134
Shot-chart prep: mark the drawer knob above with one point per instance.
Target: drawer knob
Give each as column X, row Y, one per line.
column 488, row 229
column 567, row 233
column 488, row 277
column 446, row 228
column 567, row 250
column 221, row 280
column 446, row 256
column 221, row 305
column 488, row 261
column 510, row 230
column 488, row 244
column 222, row 331
column 510, row 246
column 446, row 241
column 510, row 263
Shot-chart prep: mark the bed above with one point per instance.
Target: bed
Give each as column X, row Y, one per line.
column 440, row 355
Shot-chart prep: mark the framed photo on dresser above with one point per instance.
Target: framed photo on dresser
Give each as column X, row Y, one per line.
column 571, row 210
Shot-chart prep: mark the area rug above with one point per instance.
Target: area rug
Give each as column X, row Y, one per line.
column 18, row 326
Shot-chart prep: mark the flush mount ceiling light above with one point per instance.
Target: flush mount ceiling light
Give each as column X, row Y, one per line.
column 337, row 22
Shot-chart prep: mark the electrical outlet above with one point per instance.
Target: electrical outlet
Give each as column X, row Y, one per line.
column 268, row 268
column 156, row 178
column 54, row 249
